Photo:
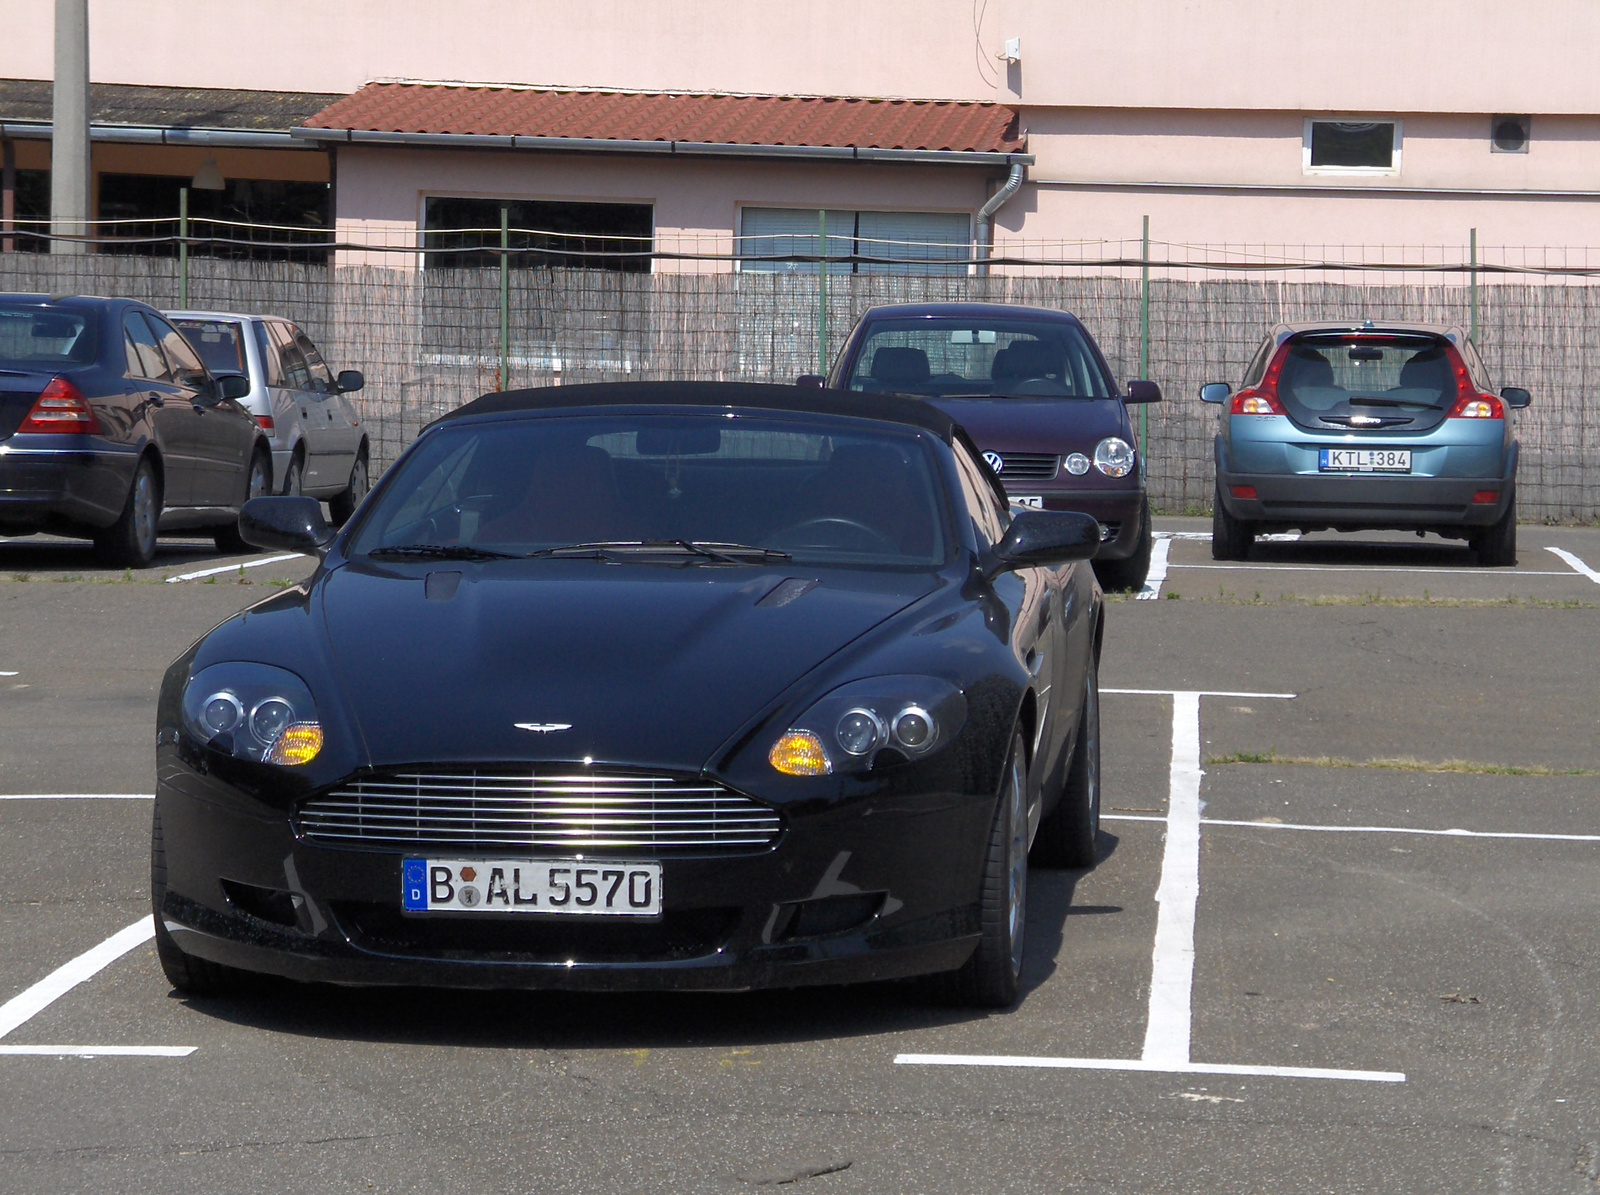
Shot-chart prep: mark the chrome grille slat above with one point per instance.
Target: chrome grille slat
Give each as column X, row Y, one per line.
column 1028, row 466
column 534, row 808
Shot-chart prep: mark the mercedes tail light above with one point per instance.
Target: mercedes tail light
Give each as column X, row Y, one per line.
column 61, row 410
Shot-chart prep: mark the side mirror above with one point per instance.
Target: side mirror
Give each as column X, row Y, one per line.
column 1140, row 390
column 231, row 386
column 811, row 381
column 285, row 524
column 349, row 380
column 1040, row 538
column 1515, row 397
column 1215, row 392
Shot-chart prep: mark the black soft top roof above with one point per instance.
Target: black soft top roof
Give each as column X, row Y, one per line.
column 886, row 408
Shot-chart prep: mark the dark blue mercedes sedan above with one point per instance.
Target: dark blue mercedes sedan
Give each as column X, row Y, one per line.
column 112, row 428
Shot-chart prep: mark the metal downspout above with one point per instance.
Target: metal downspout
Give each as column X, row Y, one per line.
column 985, row 229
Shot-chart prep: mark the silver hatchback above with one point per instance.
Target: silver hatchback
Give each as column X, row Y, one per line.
column 1355, row 427
column 319, row 447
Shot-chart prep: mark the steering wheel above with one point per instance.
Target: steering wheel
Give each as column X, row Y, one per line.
column 1040, row 386
column 868, row 538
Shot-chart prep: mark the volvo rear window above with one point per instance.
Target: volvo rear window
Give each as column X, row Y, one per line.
column 1340, row 375
column 39, row 337
column 220, row 343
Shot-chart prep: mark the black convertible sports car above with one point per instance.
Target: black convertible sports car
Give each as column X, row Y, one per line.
column 676, row 685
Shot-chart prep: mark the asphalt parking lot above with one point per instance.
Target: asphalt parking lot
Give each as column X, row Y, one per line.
column 1343, row 936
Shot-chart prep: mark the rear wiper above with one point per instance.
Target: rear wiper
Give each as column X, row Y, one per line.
column 443, row 552
column 1363, row 400
column 611, row 549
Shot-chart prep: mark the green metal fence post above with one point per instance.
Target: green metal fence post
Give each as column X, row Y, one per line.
column 183, row 248
column 1144, row 345
column 1472, row 252
column 822, row 294
column 505, row 296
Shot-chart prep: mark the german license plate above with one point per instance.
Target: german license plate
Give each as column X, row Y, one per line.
column 1031, row 501
column 595, row 887
column 1365, row 460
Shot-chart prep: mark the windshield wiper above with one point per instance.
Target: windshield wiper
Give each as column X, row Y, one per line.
column 1363, row 400
column 443, row 552
column 615, row 549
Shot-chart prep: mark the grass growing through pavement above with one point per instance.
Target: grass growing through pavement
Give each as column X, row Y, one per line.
column 1405, row 764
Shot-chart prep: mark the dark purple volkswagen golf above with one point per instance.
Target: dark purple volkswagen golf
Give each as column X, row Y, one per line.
column 1033, row 390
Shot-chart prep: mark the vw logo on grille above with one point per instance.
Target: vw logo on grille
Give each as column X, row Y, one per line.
column 996, row 461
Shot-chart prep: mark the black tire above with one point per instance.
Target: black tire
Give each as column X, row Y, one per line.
column 1070, row 836
column 130, row 542
column 1231, row 538
column 1496, row 545
column 342, row 505
column 191, row 976
column 1128, row 575
column 294, row 476
column 992, row 977
column 258, row 481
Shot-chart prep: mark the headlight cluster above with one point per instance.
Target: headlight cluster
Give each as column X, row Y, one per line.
column 847, row 729
column 253, row 711
column 1113, row 456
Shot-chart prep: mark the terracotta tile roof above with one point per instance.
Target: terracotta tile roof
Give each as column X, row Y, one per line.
column 926, row 125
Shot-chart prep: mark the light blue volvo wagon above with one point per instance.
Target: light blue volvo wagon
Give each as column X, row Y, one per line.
column 1391, row 426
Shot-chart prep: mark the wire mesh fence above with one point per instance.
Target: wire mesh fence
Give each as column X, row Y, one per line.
column 431, row 339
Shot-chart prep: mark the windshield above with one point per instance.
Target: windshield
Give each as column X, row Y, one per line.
column 219, row 343
column 1010, row 357
column 44, row 338
column 749, row 487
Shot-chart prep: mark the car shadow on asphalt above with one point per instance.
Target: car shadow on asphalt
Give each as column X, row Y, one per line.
column 638, row 1020
column 1373, row 553
column 49, row 554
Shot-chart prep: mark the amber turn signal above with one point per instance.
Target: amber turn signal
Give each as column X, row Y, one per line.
column 799, row 753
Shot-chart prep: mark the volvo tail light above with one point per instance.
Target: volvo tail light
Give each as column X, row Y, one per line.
column 61, row 410
column 1472, row 403
column 1262, row 399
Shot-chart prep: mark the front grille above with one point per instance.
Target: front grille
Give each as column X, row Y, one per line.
column 1028, row 466
column 521, row 806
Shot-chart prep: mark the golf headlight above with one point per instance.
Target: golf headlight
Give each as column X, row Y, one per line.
column 846, row 730
column 1113, row 456
column 253, row 711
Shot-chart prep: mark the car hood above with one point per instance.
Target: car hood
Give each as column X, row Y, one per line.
column 651, row 666
column 1058, row 425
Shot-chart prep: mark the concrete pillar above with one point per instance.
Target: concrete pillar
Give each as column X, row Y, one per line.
column 69, row 146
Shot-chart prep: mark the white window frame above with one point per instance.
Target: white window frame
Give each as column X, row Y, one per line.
column 1390, row 171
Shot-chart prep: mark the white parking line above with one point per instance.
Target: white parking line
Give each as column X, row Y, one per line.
column 1450, row 833
column 1168, row 1027
column 1139, row 1064
column 75, row 797
column 1577, row 565
column 1380, row 568
column 1158, row 568
column 22, row 1008
column 8, row 674
column 230, row 568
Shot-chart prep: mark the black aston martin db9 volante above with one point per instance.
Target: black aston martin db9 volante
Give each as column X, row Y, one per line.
column 641, row 686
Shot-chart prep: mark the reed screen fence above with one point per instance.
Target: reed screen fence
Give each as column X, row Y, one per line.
column 430, row 340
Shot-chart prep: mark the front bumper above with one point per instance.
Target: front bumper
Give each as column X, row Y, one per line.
column 1117, row 512
column 59, row 480
column 723, row 925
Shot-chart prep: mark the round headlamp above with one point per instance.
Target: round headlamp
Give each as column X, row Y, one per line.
column 1113, row 456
